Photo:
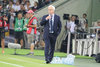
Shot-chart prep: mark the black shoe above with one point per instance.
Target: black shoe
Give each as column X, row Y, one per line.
column 47, row 62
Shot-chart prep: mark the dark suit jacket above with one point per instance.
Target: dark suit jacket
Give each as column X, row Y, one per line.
column 56, row 27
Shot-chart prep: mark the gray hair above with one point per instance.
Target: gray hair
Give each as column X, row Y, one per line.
column 52, row 7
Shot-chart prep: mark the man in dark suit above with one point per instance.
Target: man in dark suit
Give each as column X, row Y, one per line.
column 52, row 27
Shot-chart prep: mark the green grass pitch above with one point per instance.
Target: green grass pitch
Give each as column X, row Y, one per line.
column 9, row 60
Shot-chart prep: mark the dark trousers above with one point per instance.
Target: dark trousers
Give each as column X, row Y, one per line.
column 71, row 38
column 49, row 47
column 11, row 32
column 25, row 41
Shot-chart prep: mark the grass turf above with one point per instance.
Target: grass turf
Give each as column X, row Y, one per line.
column 9, row 60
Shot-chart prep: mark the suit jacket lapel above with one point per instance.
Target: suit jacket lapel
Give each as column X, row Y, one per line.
column 54, row 19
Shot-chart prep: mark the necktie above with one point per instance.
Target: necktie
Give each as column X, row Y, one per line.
column 51, row 25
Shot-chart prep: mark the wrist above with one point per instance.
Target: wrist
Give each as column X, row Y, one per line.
column 46, row 19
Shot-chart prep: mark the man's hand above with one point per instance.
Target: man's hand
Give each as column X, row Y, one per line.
column 27, row 25
column 48, row 17
column 32, row 25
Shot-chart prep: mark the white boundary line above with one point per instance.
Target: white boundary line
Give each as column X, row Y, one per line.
column 25, row 61
column 22, row 60
column 11, row 64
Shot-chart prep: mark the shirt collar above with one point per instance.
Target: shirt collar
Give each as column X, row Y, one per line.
column 52, row 16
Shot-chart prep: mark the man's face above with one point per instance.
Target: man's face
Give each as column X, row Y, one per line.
column 24, row 0
column 27, row 15
column 35, row 4
column 0, row 7
column 17, row 3
column 30, row 14
column 4, row 0
column 28, row 3
column 50, row 10
column 19, row 16
column 84, row 16
column 10, row 3
column 73, row 18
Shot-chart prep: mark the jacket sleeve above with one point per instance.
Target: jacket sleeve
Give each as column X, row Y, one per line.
column 43, row 21
column 59, row 25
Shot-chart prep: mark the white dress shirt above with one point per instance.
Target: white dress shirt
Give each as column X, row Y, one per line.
column 17, row 7
column 32, row 2
column 52, row 22
column 83, row 22
column 8, row 6
column 27, row 8
column 72, row 26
